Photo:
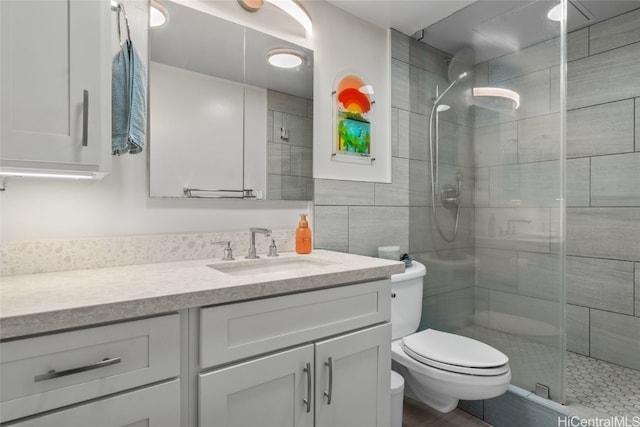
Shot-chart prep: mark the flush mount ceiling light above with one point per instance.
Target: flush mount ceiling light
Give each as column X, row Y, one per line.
column 498, row 92
column 555, row 13
column 158, row 14
column 285, row 58
column 291, row 7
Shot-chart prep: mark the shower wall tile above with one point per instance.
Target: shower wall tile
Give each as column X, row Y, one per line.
column 534, row 94
column 525, row 185
column 532, row 228
column 534, row 58
column 447, row 270
column 481, row 307
column 429, row 313
column 497, row 269
column 400, row 95
column 404, row 133
column 396, row 193
column 274, row 186
column 539, row 275
column 481, row 74
column 455, row 310
column 601, row 129
column 524, row 315
column 481, row 189
column 578, row 44
column 496, row 145
column 421, row 95
column 615, row 32
column 606, row 77
column 297, row 188
column 600, row 283
column 432, row 241
column 336, row 192
column 301, row 161
column 539, row 138
column 331, row 225
column 615, row 180
column 612, row 233
column 419, row 183
column 637, row 124
column 615, row 338
column 577, row 329
column 274, row 158
column 374, row 226
column 578, row 182
column 456, row 144
column 637, row 292
column 418, row 137
column 399, row 46
column 428, row 58
column 285, row 103
column 394, row 132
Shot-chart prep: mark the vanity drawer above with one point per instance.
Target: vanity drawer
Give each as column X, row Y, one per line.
column 235, row 331
column 47, row 372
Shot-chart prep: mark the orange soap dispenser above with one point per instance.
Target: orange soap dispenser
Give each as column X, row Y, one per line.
column 303, row 236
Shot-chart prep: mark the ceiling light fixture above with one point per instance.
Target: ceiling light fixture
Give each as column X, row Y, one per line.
column 158, row 14
column 285, row 58
column 555, row 13
column 498, row 92
column 290, row 7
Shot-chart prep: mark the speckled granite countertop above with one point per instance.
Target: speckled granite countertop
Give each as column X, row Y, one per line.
column 36, row 303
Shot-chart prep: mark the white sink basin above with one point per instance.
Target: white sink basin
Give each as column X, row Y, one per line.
column 268, row 265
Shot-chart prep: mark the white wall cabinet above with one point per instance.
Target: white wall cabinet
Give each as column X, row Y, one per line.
column 56, row 86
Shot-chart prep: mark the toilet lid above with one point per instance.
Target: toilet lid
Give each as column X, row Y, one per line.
column 455, row 353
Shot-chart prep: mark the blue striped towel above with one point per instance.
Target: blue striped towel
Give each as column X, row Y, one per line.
column 128, row 101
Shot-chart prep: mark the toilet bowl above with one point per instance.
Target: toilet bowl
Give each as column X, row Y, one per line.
column 439, row 368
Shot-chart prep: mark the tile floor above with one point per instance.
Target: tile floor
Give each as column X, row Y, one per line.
column 417, row 414
column 604, row 387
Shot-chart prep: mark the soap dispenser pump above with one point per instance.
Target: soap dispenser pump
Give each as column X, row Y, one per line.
column 303, row 236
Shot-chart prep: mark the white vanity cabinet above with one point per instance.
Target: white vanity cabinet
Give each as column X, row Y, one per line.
column 56, row 86
column 327, row 362
column 47, row 379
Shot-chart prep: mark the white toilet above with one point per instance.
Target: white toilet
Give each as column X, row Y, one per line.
column 439, row 368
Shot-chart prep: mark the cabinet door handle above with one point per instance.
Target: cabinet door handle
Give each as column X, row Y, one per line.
column 53, row 374
column 85, row 118
column 329, row 392
column 307, row 401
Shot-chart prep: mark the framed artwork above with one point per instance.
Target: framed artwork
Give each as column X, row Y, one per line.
column 353, row 115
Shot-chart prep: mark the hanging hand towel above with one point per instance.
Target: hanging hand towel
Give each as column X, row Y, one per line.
column 128, row 101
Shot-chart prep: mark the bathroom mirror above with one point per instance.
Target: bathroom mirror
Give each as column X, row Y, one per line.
column 223, row 122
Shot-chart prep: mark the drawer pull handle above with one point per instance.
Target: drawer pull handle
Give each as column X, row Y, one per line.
column 329, row 363
column 307, row 401
column 53, row 374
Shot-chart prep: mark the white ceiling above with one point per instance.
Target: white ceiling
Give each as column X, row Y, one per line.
column 491, row 27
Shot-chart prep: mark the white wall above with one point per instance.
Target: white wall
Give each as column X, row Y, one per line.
column 119, row 205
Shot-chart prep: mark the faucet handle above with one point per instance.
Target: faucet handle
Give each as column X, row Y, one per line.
column 228, row 253
column 273, row 249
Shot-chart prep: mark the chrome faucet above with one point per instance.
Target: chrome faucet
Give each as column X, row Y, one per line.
column 252, row 248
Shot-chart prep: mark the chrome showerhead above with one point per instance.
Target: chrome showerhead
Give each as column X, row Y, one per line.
column 463, row 76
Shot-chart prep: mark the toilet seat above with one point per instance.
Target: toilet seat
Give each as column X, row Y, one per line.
column 455, row 353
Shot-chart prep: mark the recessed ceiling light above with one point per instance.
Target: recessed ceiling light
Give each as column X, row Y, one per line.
column 158, row 14
column 291, row 7
column 498, row 92
column 285, row 58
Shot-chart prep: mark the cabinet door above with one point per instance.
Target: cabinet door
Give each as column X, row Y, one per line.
column 55, row 75
column 353, row 380
column 270, row 391
column 155, row 406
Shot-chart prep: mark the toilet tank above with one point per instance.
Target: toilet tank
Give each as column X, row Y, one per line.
column 406, row 300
